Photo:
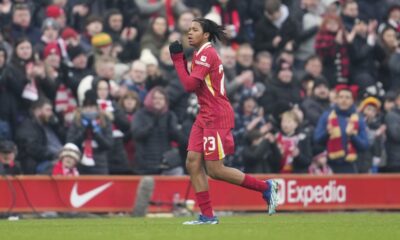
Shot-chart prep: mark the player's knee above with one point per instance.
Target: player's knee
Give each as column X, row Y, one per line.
column 214, row 173
column 192, row 164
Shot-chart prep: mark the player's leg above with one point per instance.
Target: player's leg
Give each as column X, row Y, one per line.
column 196, row 169
column 220, row 142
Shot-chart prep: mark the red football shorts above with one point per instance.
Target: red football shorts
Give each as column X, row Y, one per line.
column 215, row 144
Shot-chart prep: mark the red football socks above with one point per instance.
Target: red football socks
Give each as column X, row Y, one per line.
column 252, row 183
column 203, row 199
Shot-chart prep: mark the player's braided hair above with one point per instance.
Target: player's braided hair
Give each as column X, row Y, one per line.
column 216, row 31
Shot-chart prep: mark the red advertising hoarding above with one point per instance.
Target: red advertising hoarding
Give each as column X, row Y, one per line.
column 117, row 194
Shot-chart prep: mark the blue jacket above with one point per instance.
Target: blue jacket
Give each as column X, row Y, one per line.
column 360, row 141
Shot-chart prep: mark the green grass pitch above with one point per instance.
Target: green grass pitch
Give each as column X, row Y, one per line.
column 296, row 226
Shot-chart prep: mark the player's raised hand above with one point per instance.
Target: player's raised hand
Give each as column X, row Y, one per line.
column 175, row 48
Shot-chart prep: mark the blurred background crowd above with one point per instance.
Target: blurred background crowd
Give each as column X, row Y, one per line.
column 88, row 87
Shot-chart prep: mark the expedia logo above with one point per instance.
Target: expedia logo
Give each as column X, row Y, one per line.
column 290, row 192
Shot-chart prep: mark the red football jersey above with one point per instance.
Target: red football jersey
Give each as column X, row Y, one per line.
column 215, row 108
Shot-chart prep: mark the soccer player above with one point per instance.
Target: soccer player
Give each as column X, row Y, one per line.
column 211, row 137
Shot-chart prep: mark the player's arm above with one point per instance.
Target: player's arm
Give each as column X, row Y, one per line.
column 189, row 82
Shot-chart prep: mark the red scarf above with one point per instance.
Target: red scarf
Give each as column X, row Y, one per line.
column 335, row 145
column 287, row 144
column 87, row 147
column 65, row 103
column 60, row 170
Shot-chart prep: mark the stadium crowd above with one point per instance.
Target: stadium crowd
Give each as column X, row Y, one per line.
column 88, row 87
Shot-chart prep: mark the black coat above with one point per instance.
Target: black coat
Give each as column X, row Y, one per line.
column 392, row 121
column 266, row 31
column 261, row 158
column 277, row 94
column 31, row 140
column 313, row 108
column 153, row 135
column 117, row 157
column 13, row 81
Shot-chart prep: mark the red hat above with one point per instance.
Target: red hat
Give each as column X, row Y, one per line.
column 69, row 33
column 54, row 11
column 351, row 88
column 50, row 49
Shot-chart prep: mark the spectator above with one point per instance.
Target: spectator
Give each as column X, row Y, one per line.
column 282, row 90
column 154, row 128
column 183, row 24
column 313, row 66
column 94, row 25
column 392, row 19
column 294, row 145
column 78, row 14
column 102, row 45
column 260, row 153
column 7, row 113
column 311, row 21
column 126, row 37
column 234, row 81
column 54, row 85
column 50, row 34
column 57, row 13
column 263, row 67
column 117, row 158
column 78, row 68
column 6, row 13
column 73, row 39
column 244, row 58
column 371, row 159
column 104, row 69
column 113, row 24
column 388, row 44
column 248, row 116
column 137, row 81
column 17, row 80
column 394, row 64
column 362, row 52
column 331, row 47
column 160, row 8
column 228, row 59
column 39, row 139
column 349, row 14
column 343, row 131
column 392, row 121
column 275, row 30
column 154, row 76
column 156, row 36
column 229, row 17
column 68, row 160
column 8, row 165
column 319, row 165
column 315, row 105
column 92, row 131
column 22, row 26
column 130, row 104
column 389, row 102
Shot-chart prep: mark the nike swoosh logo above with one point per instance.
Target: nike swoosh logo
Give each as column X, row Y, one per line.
column 78, row 200
column 208, row 153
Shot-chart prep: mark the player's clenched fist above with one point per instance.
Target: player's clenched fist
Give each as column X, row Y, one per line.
column 175, row 47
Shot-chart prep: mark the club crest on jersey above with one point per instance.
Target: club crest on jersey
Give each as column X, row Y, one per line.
column 203, row 58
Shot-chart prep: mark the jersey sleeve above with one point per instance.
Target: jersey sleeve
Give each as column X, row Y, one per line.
column 202, row 65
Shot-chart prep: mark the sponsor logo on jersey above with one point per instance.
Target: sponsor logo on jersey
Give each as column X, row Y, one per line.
column 202, row 63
